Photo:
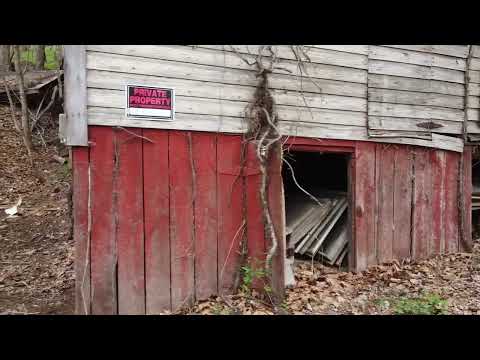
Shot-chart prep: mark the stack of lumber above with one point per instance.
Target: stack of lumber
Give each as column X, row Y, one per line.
column 476, row 197
column 318, row 229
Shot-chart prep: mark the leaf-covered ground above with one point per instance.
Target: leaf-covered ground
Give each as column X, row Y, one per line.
column 388, row 289
column 36, row 255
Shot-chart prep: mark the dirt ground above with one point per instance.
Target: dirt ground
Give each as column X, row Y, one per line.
column 37, row 253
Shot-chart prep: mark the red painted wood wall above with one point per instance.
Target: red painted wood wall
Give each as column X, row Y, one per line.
column 160, row 216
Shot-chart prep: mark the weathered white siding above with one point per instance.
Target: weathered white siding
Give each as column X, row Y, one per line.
column 413, row 86
column 473, row 91
column 356, row 92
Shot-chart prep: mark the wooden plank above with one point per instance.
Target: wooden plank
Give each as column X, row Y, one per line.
column 467, row 243
column 116, row 117
column 451, row 203
column 364, row 213
column 315, row 54
column 415, row 71
column 406, row 124
column 201, row 89
column 473, row 102
column 354, row 49
column 418, row 85
column 229, row 60
column 474, row 76
column 475, row 51
column 76, row 132
column 358, row 133
column 385, row 161
column 416, row 58
column 130, row 236
column 474, row 64
column 103, row 177
column 473, row 89
column 181, row 220
column 81, row 231
column 437, row 241
column 231, row 226
column 206, row 226
column 255, row 219
column 194, row 105
column 277, row 209
column 460, row 51
column 414, row 111
column 402, row 200
column 149, row 69
column 415, row 98
column 422, row 202
column 156, row 219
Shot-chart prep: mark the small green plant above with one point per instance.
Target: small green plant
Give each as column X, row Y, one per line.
column 428, row 304
column 250, row 272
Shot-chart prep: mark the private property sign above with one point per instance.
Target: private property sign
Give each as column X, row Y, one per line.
column 150, row 102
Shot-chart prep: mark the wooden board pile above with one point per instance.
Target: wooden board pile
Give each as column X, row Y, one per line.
column 476, row 197
column 318, row 229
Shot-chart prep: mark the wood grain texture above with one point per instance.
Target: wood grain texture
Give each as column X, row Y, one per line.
column 130, row 235
column 437, row 241
column 276, row 200
column 81, row 231
column 255, row 223
column 206, row 224
column 364, row 211
column 467, row 243
column 181, row 220
column 231, row 226
column 76, row 130
column 402, row 200
column 156, row 220
column 385, row 170
column 104, row 219
column 451, row 203
column 422, row 210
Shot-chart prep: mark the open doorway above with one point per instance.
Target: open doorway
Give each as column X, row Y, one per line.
column 317, row 197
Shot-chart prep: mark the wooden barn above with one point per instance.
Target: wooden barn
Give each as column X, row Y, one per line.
column 167, row 200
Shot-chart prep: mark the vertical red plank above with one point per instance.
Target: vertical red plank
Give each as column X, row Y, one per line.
column 130, row 245
column 466, row 244
column 205, row 160
column 156, row 219
column 231, row 224
column 103, row 242
column 437, row 241
column 402, row 202
column 385, row 160
column 81, row 234
column 255, row 224
column 277, row 211
column 451, row 202
column 422, row 211
column 181, row 219
column 364, row 213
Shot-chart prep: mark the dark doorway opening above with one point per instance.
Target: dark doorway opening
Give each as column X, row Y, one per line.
column 317, row 198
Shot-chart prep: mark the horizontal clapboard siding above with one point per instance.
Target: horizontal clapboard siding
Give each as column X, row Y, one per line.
column 412, row 86
column 473, row 91
column 328, row 91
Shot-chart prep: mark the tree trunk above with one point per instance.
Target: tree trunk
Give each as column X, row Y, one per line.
column 27, row 133
column 40, row 57
column 4, row 58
